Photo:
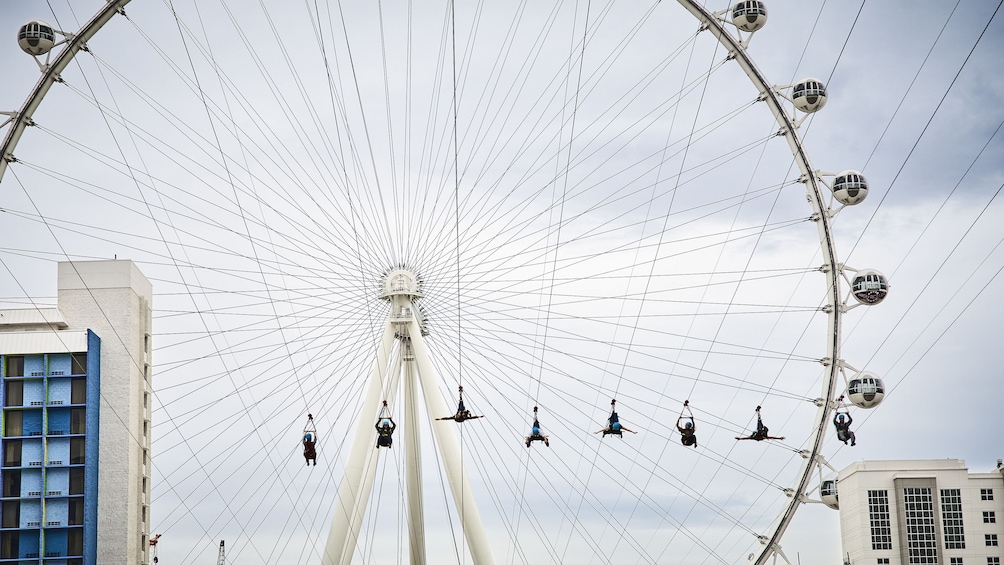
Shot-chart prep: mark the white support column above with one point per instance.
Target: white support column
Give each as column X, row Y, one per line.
column 449, row 448
column 354, row 493
column 413, row 460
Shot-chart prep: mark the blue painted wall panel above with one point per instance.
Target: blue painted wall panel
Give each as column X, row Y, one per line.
column 59, row 421
column 57, row 480
column 59, row 450
column 28, row 543
column 59, row 391
column 59, row 363
column 34, row 365
column 31, row 513
column 31, row 422
column 34, row 392
column 55, row 541
column 31, row 452
column 31, row 482
column 56, row 512
column 91, row 446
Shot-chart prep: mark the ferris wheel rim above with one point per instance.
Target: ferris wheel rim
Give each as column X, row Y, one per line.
column 108, row 11
column 51, row 75
column 831, row 267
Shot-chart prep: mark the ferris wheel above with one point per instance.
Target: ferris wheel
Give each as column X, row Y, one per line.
column 556, row 219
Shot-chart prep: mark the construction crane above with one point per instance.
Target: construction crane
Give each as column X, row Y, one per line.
column 222, row 557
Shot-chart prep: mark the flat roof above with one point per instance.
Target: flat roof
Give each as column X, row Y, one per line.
column 22, row 318
column 35, row 342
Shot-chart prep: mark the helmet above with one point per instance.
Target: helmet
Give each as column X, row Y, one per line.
column 840, row 417
column 689, row 425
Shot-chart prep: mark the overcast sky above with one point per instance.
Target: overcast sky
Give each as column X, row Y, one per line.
column 626, row 225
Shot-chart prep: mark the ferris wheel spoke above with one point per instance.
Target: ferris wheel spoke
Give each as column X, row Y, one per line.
column 589, row 203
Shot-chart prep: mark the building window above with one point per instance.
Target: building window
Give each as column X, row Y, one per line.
column 13, row 393
column 921, row 538
column 13, row 420
column 8, row 544
column 991, row 540
column 77, row 480
column 78, row 364
column 951, row 518
column 883, row 561
column 986, row 494
column 78, row 391
column 11, row 514
column 954, row 561
column 15, row 366
column 75, row 514
column 78, row 420
column 993, row 560
column 12, row 483
column 878, row 516
column 990, row 517
column 75, row 542
column 12, row 453
column 77, row 451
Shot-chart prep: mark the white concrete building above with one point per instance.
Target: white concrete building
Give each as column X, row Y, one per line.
column 921, row 512
column 97, row 337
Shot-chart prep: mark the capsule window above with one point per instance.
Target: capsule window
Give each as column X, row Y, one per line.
column 866, row 386
column 35, row 30
column 751, row 7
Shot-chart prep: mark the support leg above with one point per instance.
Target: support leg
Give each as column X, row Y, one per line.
column 354, row 493
column 413, row 460
column 449, row 448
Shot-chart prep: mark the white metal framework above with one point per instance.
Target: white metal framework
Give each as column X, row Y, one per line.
column 402, row 360
column 412, row 363
column 831, row 268
column 50, row 75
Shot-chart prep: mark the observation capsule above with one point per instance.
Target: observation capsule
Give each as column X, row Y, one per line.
column 809, row 95
column 749, row 15
column 850, row 187
column 866, row 390
column 828, row 493
column 869, row 287
column 36, row 38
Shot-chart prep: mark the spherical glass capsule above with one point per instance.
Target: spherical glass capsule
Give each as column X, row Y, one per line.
column 828, row 493
column 850, row 187
column 36, row 38
column 869, row 287
column 749, row 15
column 809, row 95
column 866, row 390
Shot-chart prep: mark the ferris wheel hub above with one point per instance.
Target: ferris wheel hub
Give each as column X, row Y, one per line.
column 401, row 282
